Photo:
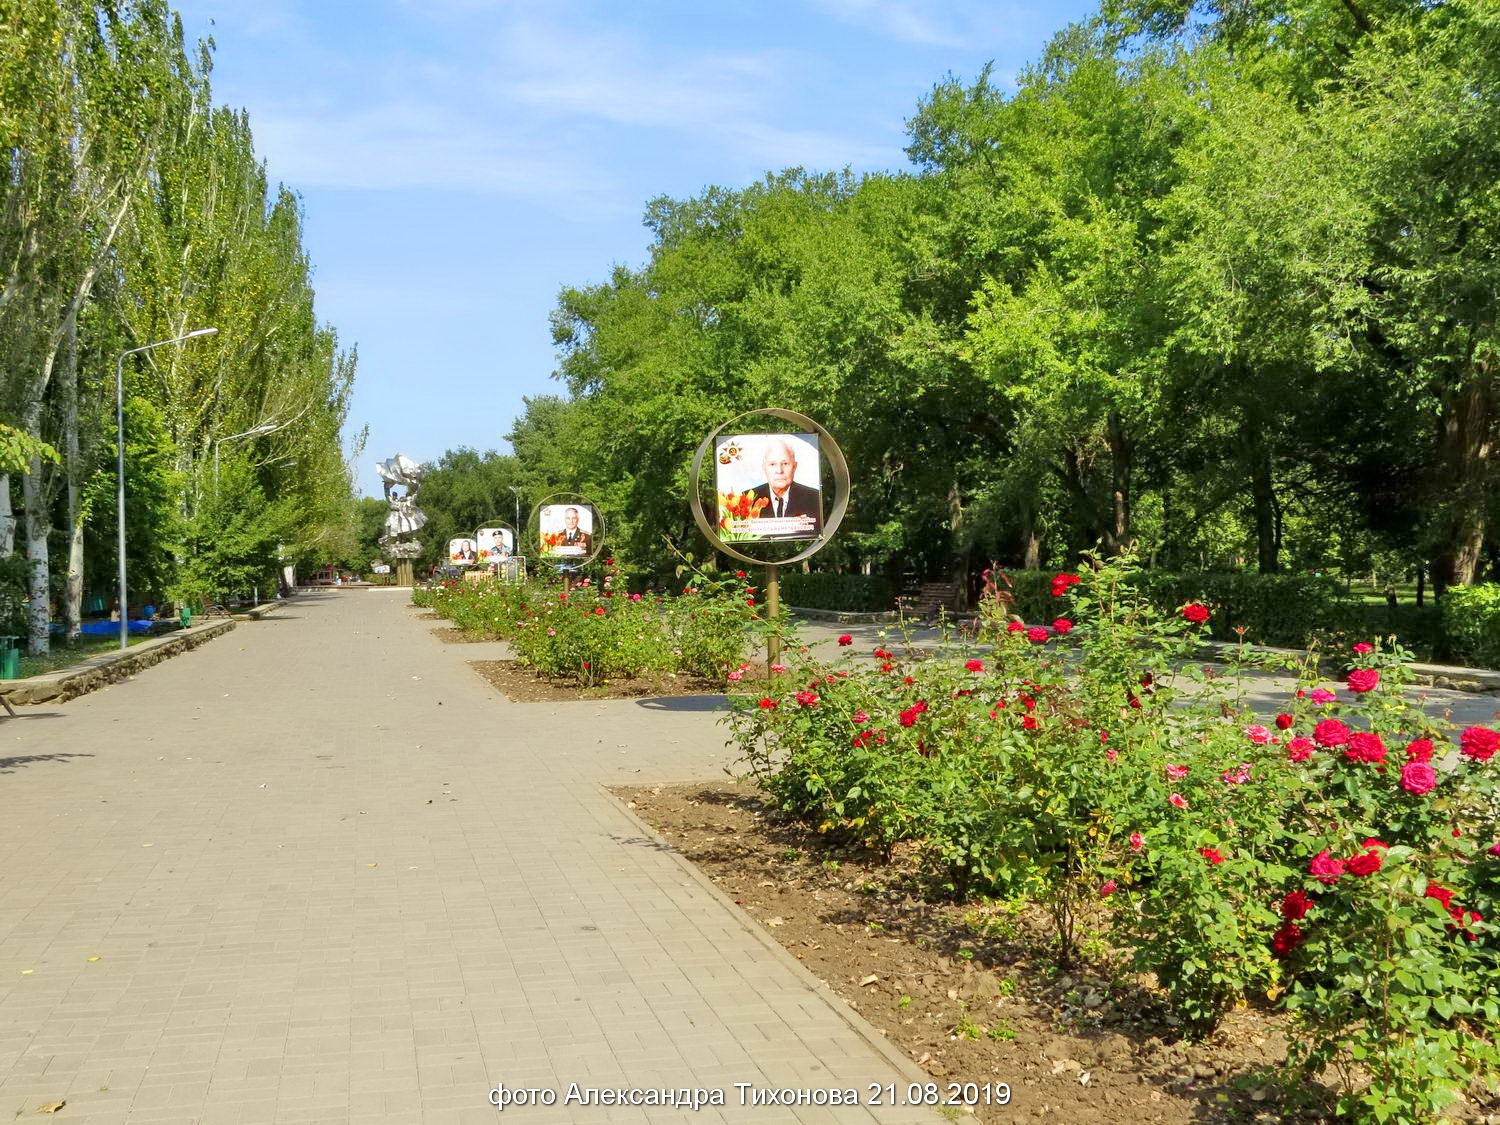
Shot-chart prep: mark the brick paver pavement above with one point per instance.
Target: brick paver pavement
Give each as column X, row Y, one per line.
column 318, row 871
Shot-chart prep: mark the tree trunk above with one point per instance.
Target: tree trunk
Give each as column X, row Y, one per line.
column 1466, row 444
column 72, row 466
column 1120, row 453
column 1262, row 496
column 961, row 548
column 1031, row 542
column 39, row 610
column 7, row 519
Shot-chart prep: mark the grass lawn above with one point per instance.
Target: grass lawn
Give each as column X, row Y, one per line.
column 63, row 654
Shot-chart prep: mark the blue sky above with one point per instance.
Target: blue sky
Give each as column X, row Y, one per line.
column 460, row 161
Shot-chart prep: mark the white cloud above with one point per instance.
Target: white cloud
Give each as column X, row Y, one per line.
column 961, row 24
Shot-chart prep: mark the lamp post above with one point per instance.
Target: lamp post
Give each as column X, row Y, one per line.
column 265, row 428
column 120, row 461
column 516, row 492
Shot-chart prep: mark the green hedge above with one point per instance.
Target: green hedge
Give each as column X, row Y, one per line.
column 1471, row 624
column 851, row 593
column 1274, row 609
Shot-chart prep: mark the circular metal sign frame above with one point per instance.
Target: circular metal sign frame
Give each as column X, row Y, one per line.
column 836, row 463
column 567, row 562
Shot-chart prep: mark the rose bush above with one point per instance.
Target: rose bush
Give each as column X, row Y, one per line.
column 592, row 633
column 1338, row 857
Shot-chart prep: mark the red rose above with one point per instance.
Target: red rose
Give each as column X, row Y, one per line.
column 599, row 609
column 1061, row 582
column 1444, row 895
column 1212, row 855
column 845, row 640
column 1286, row 939
column 1419, row 750
column 1283, row 722
column 1296, row 905
column 1015, row 627
column 1365, row 746
column 909, row 717
column 1324, row 868
column 1362, row 680
column 1195, row 613
column 1299, row 749
column 1478, row 743
column 881, row 654
column 1418, row 777
column 769, row 704
column 1028, row 722
column 1062, row 626
column 974, row 665
column 1366, row 863
column 1036, row 634
column 1330, row 732
column 1363, row 647
column 807, row 698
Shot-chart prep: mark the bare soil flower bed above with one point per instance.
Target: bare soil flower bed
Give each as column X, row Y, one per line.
column 523, row 684
column 965, row 990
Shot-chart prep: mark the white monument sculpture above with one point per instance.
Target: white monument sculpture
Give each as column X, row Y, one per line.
column 398, row 474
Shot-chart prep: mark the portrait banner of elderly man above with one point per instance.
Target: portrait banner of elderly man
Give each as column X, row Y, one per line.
column 566, row 530
column 769, row 486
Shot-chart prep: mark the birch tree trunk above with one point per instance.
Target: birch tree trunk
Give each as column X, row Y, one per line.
column 72, row 467
column 7, row 519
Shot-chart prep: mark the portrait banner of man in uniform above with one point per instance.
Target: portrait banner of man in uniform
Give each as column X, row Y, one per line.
column 566, row 530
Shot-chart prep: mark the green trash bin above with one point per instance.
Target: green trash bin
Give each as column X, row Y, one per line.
column 185, row 618
column 10, row 658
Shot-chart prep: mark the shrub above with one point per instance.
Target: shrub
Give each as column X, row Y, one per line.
column 1338, row 858
column 851, row 593
column 1471, row 624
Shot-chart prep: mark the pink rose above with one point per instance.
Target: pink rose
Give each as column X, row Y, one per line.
column 1299, row 749
column 1258, row 734
column 860, row 718
column 1323, row 695
column 1137, row 842
column 1107, row 888
column 1239, row 776
column 1177, row 773
column 735, row 677
column 1418, row 777
column 1363, row 647
column 1178, row 800
column 1324, row 868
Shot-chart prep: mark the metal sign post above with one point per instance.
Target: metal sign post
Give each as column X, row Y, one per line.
column 773, row 610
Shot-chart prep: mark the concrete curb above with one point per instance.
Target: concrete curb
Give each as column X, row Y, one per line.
column 857, row 1023
column 111, row 667
column 846, row 617
column 257, row 612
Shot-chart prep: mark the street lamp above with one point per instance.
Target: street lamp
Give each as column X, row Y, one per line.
column 516, row 491
column 265, row 428
column 120, row 460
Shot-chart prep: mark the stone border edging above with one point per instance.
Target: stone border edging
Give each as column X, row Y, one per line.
column 257, row 612
column 847, row 617
column 856, row 1022
column 110, row 667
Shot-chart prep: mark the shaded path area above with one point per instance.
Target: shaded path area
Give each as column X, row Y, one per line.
column 318, row 871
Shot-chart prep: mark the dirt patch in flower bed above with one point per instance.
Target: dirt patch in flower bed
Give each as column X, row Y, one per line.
column 522, row 684
column 965, row 990
column 452, row 636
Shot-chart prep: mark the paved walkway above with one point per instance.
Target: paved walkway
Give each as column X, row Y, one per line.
column 318, row 871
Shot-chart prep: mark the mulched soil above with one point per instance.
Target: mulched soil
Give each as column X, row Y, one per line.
column 966, row 990
column 521, row 684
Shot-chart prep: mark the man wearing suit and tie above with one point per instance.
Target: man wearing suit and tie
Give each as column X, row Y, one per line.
column 575, row 540
column 787, row 496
